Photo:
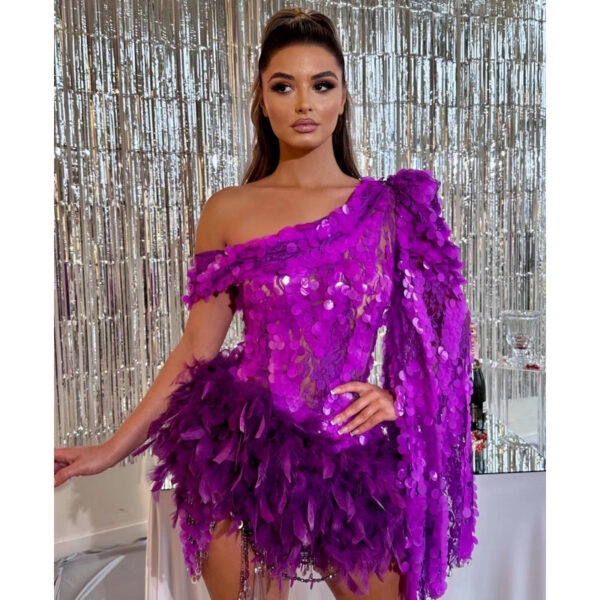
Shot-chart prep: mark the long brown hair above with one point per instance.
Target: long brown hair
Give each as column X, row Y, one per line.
column 286, row 27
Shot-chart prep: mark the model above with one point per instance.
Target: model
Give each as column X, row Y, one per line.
column 280, row 450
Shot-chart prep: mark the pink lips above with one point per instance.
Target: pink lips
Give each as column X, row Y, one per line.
column 305, row 125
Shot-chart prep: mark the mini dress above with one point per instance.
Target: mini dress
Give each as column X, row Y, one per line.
column 247, row 435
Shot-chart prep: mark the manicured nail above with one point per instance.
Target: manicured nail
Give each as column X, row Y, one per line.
column 334, row 391
column 334, row 421
column 342, row 430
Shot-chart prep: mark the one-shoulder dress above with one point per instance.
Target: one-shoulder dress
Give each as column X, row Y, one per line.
column 247, row 435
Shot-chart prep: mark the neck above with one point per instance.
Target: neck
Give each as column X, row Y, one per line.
column 302, row 168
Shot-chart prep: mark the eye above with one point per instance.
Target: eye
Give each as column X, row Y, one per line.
column 325, row 85
column 280, row 87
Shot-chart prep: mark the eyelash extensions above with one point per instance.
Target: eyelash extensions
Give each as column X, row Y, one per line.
column 278, row 87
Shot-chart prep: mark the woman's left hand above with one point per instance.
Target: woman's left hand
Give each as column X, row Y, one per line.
column 373, row 405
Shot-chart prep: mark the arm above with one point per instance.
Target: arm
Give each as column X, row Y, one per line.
column 202, row 338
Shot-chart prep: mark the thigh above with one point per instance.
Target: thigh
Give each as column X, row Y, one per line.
column 223, row 565
column 388, row 589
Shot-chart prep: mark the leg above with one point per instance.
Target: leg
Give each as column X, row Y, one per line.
column 223, row 565
column 378, row 590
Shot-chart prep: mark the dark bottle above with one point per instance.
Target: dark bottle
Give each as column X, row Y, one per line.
column 478, row 433
column 478, row 398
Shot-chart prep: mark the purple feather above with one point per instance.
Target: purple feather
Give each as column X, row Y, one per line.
column 225, row 452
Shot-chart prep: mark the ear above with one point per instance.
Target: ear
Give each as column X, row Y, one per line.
column 261, row 103
column 344, row 95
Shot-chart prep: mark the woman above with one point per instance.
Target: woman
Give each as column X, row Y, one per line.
column 281, row 453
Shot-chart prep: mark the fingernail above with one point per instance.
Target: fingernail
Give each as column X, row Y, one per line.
column 334, row 391
column 342, row 430
column 334, row 421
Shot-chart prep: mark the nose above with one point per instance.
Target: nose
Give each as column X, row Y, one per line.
column 302, row 104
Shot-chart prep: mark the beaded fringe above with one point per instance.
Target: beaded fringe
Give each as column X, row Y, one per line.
column 261, row 571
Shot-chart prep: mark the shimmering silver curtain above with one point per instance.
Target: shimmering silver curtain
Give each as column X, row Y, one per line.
column 152, row 117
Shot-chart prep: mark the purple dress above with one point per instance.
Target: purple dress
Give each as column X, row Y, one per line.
column 247, row 435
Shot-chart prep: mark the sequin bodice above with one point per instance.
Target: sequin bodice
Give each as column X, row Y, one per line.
column 313, row 297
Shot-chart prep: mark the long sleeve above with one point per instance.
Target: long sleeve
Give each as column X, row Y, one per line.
column 427, row 366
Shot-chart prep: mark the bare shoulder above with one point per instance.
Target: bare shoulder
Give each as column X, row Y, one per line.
column 237, row 214
column 217, row 213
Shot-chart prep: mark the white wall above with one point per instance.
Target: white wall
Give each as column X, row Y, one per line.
column 102, row 510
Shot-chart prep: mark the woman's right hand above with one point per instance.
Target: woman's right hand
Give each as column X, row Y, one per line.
column 81, row 460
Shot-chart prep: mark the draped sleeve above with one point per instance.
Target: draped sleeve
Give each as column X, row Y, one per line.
column 427, row 366
column 211, row 272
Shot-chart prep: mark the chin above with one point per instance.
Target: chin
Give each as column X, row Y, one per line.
column 305, row 147
column 304, row 141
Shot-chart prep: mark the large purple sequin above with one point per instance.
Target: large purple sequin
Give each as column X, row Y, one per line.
column 248, row 434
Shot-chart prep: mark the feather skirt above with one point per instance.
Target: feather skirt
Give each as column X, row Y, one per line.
column 231, row 454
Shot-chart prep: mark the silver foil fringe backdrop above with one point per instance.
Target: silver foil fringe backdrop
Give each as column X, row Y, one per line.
column 152, row 117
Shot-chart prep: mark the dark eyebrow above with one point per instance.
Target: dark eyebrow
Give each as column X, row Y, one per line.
column 291, row 77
